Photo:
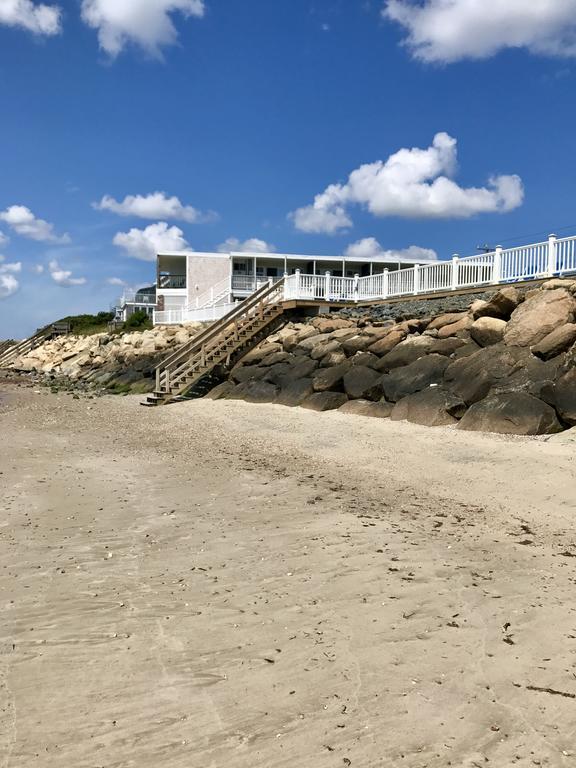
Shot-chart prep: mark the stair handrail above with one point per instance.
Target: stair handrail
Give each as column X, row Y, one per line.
column 217, row 327
column 216, row 291
column 14, row 351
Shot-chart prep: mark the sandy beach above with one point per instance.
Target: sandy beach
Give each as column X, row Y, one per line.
column 217, row 584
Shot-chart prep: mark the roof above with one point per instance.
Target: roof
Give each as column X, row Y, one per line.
column 384, row 259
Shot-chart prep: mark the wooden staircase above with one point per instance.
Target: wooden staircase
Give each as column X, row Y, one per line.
column 207, row 356
column 10, row 351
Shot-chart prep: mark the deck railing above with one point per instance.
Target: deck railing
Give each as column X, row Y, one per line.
column 554, row 257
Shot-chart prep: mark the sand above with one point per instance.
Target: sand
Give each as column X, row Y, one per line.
column 217, row 584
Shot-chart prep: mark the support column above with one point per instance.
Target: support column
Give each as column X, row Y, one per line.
column 416, row 278
column 454, row 282
column 551, row 255
column 327, row 286
column 255, row 278
column 385, row 284
column 497, row 269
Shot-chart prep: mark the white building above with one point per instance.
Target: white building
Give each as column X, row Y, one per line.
column 203, row 286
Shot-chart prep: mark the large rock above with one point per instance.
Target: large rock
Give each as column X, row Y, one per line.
column 556, row 342
column 387, row 342
column 414, row 377
column 324, row 401
column 324, row 348
column 539, row 316
column 258, row 354
column 472, row 377
column 360, row 382
column 447, row 347
column 302, row 369
column 333, row 358
column 406, row 352
column 294, row 393
column 330, row 378
column 365, row 358
column 565, row 396
column 379, row 410
column 356, row 344
column 221, row 391
column 514, row 413
column 247, row 373
column 255, row 392
column 326, row 324
column 501, row 305
column 311, row 342
column 449, row 318
column 277, row 357
column 487, row 331
column 432, row 407
column 459, row 328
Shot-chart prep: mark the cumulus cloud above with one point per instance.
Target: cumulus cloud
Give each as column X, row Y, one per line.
column 145, row 244
column 412, row 183
column 63, row 276
column 4, row 239
column 145, row 23
column 115, row 281
column 37, row 18
column 8, row 283
column 449, row 30
column 369, row 248
column 252, row 245
column 22, row 221
column 156, row 205
column 38, row 269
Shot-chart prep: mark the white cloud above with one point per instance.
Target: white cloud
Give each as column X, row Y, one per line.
column 369, row 248
column 145, row 244
column 412, row 183
column 63, row 276
column 450, row 30
column 8, row 283
column 22, row 221
column 38, row 269
column 153, row 206
column 4, row 239
column 252, row 245
column 145, row 23
column 37, row 18
column 115, row 281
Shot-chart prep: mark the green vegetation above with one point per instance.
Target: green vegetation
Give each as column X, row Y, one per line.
column 86, row 325
column 139, row 321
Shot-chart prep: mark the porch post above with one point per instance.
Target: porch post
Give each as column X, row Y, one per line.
column 356, row 286
column 327, row 286
column 255, row 279
column 497, row 269
column 551, row 255
column 416, row 278
column 385, row 284
column 297, row 281
column 454, row 272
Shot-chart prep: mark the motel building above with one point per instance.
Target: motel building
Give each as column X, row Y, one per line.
column 193, row 286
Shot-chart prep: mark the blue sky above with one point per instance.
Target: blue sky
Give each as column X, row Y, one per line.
column 254, row 114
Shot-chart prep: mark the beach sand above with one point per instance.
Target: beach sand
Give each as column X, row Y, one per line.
column 225, row 585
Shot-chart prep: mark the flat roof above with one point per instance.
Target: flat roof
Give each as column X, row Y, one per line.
column 303, row 257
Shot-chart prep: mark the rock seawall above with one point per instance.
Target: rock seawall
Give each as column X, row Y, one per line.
column 504, row 362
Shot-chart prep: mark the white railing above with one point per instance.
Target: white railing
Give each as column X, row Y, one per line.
column 182, row 316
column 217, row 294
column 137, row 298
column 250, row 283
column 547, row 259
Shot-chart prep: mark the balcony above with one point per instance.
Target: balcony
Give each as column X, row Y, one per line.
column 171, row 281
column 250, row 283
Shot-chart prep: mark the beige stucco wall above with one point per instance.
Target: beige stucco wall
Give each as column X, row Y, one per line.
column 205, row 271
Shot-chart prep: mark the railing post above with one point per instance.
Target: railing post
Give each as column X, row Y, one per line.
column 454, row 282
column 356, row 287
column 327, row 286
column 551, row 255
column 297, row 281
column 417, row 278
column 286, row 287
column 497, row 269
column 385, row 284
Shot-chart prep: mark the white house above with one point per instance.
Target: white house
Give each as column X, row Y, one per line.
column 201, row 286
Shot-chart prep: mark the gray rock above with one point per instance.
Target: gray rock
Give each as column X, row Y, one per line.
column 388, row 342
column 406, row 352
column 255, row 392
column 220, row 391
column 565, row 396
column 295, row 392
column 324, row 401
column 330, row 378
column 432, row 407
column 414, row 377
column 556, row 342
column 514, row 413
column 302, row 369
column 360, row 382
column 379, row 410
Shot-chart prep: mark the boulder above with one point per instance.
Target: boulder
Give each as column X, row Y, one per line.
column 415, row 325
column 565, row 396
column 513, row 413
column 277, row 357
column 447, row 347
column 220, row 391
column 294, row 393
column 324, row 401
column 255, row 392
column 301, row 369
column 471, row 377
column 501, row 305
column 558, row 282
column 247, row 372
column 356, row 343
column 330, row 378
column 365, row 358
column 459, row 328
column 388, row 342
column 258, row 354
column 360, row 382
column 539, row 316
column 309, row 343
column 432, row 407
column 379, row 410
column 419, row 375
column 325, row 324
column 556, row 342
column 487, row 331
column 449, row 318
column 324, row 348
column 406, row 352
column 344, row 333
column 333, row 358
